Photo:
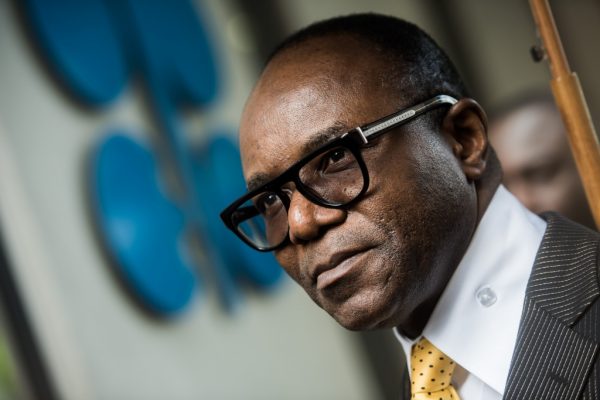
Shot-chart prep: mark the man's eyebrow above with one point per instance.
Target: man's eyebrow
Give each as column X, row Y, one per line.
column 324, row 136
column 316, row 141
column 257, row 180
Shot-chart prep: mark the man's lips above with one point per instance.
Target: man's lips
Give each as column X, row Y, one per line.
column 339, row 264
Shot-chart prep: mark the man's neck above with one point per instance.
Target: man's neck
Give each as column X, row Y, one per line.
column 488, row 184
column 485, row 188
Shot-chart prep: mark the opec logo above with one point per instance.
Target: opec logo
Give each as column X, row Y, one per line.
column 96, row 47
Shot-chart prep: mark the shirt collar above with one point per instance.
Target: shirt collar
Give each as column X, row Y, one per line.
column 476, row 320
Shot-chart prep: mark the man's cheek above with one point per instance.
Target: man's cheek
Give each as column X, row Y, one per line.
column 288, row 262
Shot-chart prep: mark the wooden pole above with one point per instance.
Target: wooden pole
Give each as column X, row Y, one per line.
column 572, row 106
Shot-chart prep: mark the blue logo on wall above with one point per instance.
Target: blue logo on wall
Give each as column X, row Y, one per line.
column 96, row 47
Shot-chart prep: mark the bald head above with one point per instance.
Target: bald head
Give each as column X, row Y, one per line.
column 414, row 63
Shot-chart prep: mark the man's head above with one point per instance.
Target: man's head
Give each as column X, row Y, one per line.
column 531, row 142
column 384, row 260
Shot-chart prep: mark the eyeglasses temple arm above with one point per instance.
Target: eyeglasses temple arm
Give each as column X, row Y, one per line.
column 371, row 131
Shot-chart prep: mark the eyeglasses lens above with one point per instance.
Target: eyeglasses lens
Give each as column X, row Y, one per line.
column 332, row 178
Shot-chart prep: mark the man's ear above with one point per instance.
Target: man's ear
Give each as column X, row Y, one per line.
column 465, row 126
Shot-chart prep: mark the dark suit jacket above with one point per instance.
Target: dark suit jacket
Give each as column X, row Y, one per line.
column 556, row 355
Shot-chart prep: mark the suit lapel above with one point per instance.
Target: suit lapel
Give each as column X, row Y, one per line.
column 551, row 360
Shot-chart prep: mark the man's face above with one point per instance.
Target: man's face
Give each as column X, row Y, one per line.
column 381, row 262
column 532, row 146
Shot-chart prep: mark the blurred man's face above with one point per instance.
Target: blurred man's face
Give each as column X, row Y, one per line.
column 532, row 146
column 391, row 254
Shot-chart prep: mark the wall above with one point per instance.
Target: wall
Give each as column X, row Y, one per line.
column 96, row 342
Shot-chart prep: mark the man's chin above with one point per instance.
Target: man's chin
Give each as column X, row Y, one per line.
column 358, row 319
column 359, row 324
column 359, row 310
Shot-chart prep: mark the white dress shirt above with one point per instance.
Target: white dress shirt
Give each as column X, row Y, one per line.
column 477, row 317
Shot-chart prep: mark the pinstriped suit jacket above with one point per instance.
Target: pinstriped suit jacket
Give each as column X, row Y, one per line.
column 556, row 356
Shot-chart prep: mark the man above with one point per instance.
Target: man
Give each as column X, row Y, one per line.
column 530, row 140
column 402, row 222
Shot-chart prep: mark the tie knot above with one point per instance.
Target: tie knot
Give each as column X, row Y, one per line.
column 431, row 373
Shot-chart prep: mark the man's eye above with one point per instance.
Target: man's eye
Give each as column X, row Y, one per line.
column 266, row 200
column 268, row 204
column 336, row 160
column 337, row 155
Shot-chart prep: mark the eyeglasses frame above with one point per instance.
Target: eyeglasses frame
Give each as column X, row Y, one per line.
column 353, row 140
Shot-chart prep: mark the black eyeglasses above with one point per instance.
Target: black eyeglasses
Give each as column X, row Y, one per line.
column 334, row 175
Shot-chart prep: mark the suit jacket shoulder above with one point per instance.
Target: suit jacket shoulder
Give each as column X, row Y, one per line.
column 556, row 356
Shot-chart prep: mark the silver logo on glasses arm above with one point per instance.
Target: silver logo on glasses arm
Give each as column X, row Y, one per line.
column 390, row 122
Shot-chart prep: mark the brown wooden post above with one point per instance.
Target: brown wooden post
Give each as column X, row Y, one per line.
column 572, row 106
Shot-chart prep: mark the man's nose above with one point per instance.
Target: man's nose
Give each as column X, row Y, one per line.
column 308, row 220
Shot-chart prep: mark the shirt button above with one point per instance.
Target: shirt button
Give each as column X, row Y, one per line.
column 486, row 296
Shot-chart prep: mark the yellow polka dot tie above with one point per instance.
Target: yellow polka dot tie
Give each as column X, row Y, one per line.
column 431, row 373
